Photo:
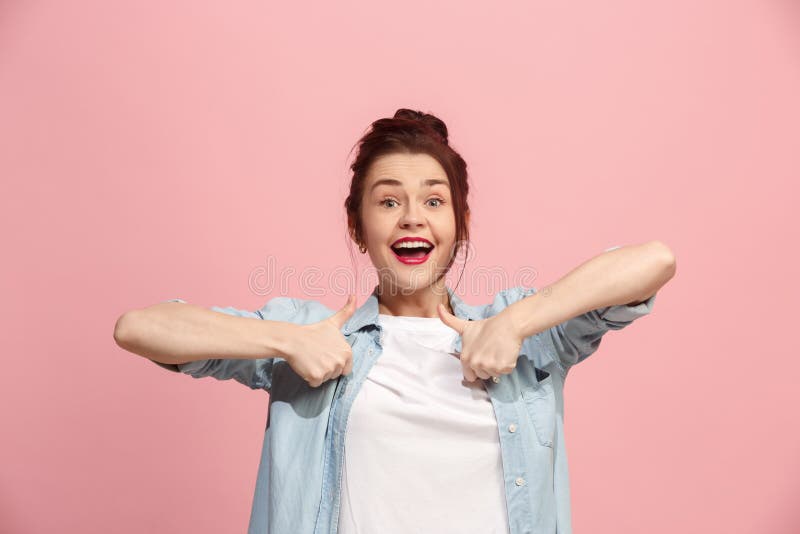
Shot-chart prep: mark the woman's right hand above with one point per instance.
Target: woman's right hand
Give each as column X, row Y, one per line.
column 319, row 352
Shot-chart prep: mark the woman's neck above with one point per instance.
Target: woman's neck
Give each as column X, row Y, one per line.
column 420, row 303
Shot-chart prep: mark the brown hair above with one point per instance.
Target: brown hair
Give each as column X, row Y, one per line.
column 409, row 132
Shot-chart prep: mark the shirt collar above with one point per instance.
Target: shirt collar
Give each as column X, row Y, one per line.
column 367, row 313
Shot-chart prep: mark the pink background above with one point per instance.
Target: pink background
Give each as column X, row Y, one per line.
column 152, row 151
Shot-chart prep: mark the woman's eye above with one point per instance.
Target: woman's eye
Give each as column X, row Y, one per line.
column 385, row 200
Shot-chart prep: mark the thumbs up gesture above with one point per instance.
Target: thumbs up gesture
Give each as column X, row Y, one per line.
column 319, row 352
column 489, row 347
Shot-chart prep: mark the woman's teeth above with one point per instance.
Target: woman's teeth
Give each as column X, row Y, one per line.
column 412, row 244
column 412, row 249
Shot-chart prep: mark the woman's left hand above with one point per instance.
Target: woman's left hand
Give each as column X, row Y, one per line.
column 489, row 347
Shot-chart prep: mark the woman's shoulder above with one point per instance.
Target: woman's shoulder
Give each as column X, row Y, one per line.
column 301, row 310
column 506, row 297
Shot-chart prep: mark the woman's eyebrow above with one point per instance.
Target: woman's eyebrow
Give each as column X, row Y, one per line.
column 430, row 182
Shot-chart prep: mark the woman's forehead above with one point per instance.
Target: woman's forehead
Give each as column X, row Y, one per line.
column 411, row 170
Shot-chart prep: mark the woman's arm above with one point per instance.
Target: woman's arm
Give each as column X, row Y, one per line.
column 625, row 275
column 176, row 332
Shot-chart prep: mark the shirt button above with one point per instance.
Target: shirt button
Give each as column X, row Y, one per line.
column 512, row 427
column 520, row 481
column 495, row 379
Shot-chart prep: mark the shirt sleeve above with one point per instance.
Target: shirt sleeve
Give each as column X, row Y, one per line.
column 579, row 337
column 253, row 373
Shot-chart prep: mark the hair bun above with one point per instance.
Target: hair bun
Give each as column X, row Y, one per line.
column 432, row 121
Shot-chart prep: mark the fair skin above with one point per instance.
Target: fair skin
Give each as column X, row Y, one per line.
column 628, row 275
column 408, row 195
column 176, row 333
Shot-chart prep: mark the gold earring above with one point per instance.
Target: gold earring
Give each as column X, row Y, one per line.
column 362, row 248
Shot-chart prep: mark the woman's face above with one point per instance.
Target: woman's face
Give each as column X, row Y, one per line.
column 408, row 195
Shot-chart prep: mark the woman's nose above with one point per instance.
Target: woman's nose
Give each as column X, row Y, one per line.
column 411, row 217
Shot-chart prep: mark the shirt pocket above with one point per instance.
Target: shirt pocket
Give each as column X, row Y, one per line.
column 540, row 403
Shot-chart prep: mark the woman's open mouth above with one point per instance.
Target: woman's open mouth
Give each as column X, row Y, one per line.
column 412, row 253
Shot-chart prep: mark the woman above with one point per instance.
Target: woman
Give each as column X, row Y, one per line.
column 414, row 412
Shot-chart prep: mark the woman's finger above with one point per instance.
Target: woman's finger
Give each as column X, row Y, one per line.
column 469, row 374
column 481, row 373
column 450, row 320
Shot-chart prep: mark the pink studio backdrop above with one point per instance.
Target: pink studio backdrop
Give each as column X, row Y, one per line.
column 151, row 151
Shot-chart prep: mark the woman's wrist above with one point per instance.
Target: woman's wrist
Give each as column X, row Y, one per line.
column 523, row 316
column 278, row 338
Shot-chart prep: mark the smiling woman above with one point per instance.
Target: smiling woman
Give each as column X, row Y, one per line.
column 409, row 185
column 414, row 412
column 410, row 220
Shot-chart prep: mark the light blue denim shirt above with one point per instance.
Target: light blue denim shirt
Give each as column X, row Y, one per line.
column 299, row 474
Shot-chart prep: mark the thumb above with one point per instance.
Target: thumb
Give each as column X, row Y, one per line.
column 341, row 316
column 449, row 319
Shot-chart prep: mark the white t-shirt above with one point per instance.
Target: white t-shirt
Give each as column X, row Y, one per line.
column 422, row 451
